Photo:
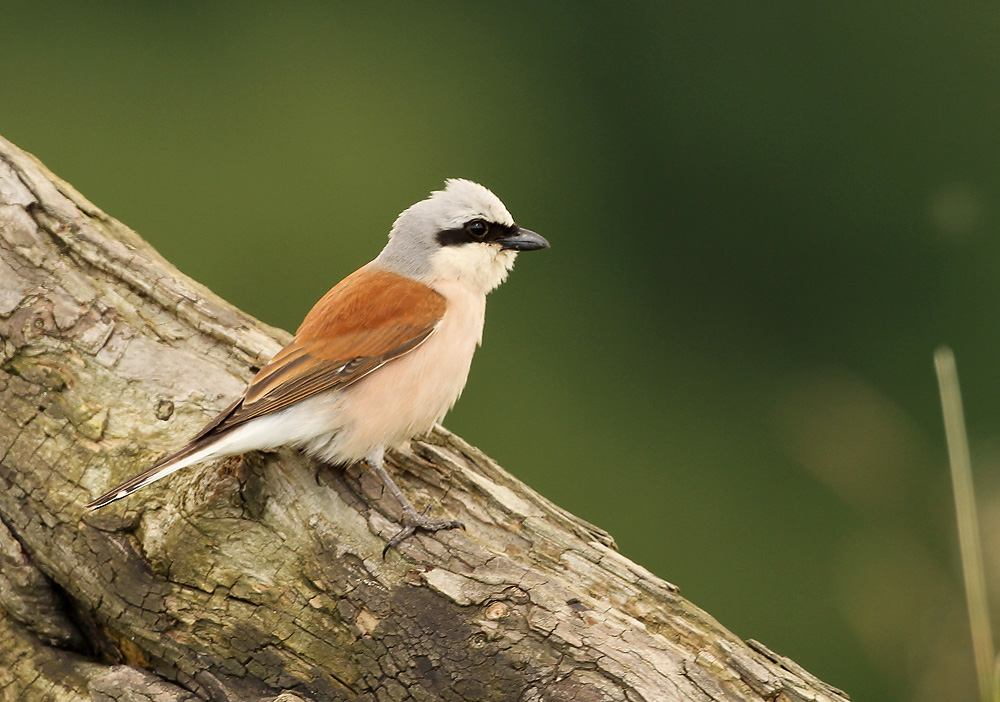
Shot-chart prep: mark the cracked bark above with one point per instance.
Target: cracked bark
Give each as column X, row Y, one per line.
column 251, row 579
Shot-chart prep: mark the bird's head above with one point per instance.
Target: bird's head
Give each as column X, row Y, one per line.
column 462, row 233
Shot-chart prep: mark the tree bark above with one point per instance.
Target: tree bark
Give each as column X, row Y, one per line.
column 259, row 578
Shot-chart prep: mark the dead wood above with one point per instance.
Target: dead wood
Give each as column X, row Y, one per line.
column 252, row 580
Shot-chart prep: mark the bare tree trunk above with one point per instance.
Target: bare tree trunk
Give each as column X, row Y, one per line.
column 257, row 577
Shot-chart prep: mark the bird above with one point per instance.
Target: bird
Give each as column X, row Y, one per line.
column 382, row 357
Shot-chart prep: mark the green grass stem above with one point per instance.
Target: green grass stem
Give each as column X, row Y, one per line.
column 968, row 525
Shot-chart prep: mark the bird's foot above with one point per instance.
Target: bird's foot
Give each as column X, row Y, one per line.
column 414, row 521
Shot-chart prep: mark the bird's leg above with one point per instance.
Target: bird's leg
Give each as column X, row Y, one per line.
column 412, row 519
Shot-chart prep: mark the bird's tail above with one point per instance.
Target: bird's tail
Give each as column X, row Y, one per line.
column 212, row 441
column 195, row 452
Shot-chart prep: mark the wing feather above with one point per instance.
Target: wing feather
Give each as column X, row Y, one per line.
column 369, row 319
column 372, row 317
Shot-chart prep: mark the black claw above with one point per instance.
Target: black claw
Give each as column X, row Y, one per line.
column 318, row 473
column 398, row 538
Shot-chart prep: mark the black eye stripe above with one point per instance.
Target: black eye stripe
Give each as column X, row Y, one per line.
column 462, row 235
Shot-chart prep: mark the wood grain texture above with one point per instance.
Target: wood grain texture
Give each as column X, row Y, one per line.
column 252, row 580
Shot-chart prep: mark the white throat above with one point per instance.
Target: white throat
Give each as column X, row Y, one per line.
column 482, row 267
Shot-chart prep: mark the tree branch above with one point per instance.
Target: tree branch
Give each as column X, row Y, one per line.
column 245, row 579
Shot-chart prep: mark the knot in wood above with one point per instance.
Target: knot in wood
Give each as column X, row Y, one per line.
column 496, row 610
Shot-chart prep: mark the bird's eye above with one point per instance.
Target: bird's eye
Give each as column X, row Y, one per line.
column 477, row 228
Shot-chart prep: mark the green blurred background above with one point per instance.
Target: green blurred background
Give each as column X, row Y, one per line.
column 764, row 218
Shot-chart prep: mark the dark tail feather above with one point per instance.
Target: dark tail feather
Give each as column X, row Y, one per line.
column 165, row 466
column 162, row 468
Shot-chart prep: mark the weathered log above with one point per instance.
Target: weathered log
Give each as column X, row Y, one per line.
column 258, row 577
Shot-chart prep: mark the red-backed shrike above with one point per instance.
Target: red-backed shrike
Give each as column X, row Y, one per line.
column 383, row 356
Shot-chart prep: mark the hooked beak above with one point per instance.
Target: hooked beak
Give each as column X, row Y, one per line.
column 523, row 240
